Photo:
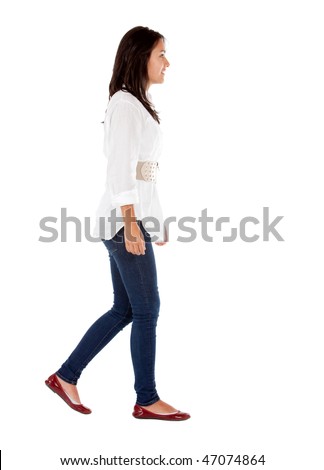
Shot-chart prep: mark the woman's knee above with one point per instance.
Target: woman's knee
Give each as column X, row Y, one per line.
column 123, row 311
column 147, row 307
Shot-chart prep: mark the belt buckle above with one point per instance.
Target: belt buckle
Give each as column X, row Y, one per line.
column 148, row 170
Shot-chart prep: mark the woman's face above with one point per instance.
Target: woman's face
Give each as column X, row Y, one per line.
column 157, row 64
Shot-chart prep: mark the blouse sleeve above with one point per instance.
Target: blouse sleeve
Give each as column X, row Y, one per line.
column 123, row 146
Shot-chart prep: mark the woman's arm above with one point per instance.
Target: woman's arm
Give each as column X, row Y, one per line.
column 134, row 240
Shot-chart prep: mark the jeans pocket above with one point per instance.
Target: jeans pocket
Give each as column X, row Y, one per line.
column 114, row 242
column 110, row 246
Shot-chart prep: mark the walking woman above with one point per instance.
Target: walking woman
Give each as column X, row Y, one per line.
column 132, row 145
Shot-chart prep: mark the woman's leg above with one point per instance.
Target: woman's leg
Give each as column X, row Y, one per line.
column 101, row 332
column 136, row 298
column 138, row 273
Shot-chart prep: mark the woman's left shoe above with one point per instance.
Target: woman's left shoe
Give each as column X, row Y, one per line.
column 143, row 413
column 56, row 387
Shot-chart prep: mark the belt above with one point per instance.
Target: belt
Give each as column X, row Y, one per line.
column 147, row 170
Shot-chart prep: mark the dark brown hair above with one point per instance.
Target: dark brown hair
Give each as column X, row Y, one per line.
column 130, row 67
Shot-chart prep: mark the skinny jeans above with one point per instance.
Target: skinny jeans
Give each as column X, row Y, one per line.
column 136, row 300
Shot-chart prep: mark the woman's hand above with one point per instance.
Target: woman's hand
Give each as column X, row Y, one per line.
column 160, row 243
column 134, row 240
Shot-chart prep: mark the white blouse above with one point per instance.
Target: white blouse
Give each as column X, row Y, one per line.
column 130, row 135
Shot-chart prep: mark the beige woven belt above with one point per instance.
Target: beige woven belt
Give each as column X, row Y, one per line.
column 147, row 170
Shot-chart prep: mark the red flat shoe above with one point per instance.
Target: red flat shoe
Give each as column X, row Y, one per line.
column 143, row 413
column 53, row 383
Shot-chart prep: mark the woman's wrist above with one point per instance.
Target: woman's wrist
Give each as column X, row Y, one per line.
column 128, row 213
column 130, row 221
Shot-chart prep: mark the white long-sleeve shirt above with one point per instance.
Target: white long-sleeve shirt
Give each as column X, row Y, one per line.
column 130, row 135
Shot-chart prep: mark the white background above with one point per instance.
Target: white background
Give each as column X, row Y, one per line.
column 239, row 336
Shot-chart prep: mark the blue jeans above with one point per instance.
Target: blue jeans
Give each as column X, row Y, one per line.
column 136, row 300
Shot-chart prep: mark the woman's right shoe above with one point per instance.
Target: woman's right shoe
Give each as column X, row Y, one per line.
column 142, row 413
column 53, row 383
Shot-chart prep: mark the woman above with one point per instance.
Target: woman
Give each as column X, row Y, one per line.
column 132, row 145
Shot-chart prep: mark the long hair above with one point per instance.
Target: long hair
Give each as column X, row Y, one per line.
column 130, row 67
